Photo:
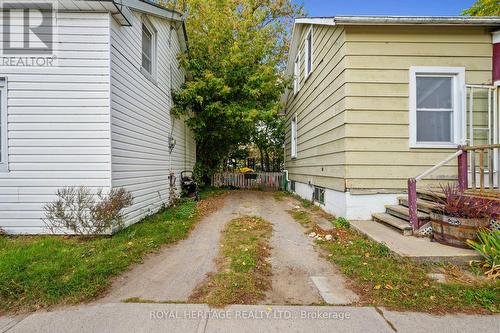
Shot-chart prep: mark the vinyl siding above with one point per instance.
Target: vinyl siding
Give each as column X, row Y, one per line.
column 319, row 106
column 378, row 157
column 141, row 120
column 58, row 123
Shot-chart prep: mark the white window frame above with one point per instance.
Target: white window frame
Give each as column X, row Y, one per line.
column 154, row 56
column 458, row 75
column 293, row 137
column 296, row 74
column 4, row 156
column 307, row 70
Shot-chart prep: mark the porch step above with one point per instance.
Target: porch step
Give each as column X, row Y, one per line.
column 422, row 205
column 394, row 222
column 403, row 212
column 430, row 195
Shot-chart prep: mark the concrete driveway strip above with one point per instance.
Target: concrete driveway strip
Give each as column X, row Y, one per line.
column 173, row 273
column 300, row 275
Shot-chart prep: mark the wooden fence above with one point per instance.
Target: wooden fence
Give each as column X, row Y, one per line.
column 264, row 180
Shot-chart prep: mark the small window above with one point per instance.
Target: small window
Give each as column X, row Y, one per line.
column 292, row 185
column 296, row 75
column 294, row 137
column 319, row 195
column 436, row 107
column 148, row 48
column 3, row 124
column 308, row 54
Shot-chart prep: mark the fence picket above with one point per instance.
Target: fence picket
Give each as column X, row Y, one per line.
column 272, row 180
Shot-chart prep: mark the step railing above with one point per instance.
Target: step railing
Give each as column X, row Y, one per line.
column 488, row 156
column 486, row 187
column 412, row 186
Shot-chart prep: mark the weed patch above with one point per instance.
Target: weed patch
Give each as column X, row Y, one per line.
column 243, row 271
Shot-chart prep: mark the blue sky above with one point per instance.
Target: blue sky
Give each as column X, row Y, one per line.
column 384, row 7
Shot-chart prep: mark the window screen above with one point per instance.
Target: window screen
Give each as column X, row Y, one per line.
column 434, row 108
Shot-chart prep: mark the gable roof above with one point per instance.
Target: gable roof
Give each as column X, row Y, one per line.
column 301, row 22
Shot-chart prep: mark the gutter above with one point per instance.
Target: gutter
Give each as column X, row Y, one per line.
column 402, row 20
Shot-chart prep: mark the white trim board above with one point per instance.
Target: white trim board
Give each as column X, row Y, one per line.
column 459, row 103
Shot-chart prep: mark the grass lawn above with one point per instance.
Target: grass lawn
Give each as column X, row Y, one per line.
column 40, row 271
column 384, row 279
column 243, row 271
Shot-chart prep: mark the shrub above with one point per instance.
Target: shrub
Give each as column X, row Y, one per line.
column 77, row 210
column 489, row 248
column 456, row 204
column 341, row 222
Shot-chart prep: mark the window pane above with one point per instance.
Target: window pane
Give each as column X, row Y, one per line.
column 309, row 52
column 147, row 48
column 434, row 92
column 434, row 126
column 146, row 63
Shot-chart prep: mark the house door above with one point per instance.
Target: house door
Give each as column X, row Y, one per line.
column 481, row 124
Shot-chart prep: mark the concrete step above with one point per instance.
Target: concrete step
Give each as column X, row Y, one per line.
column 430, row 195
column 422, row 205
column 403, row 213
column 394, row 222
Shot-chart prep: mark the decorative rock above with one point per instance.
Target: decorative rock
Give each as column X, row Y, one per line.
column 441, row 278
column 312, row 234
column 328, row 237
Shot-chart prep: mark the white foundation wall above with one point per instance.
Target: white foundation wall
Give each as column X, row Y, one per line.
column 350, row 206
column 305, row 191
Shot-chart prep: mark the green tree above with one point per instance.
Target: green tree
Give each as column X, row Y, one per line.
column 237, row 53
column 484, row 8
column 269, row 137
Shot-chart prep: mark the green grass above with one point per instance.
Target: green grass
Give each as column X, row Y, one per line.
column 41, row 271
column 302, row 217
column 384, row 279
column 244, row 273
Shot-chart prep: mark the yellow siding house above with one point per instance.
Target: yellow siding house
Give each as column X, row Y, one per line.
column 378, row 100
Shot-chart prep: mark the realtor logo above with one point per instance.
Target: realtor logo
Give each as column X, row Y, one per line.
column 28, row 33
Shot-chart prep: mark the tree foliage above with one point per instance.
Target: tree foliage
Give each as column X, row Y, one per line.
column 484, row 8
column 237, row 53
column 269, row 137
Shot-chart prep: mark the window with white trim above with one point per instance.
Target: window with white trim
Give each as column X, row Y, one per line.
column 308, row 53
column 436, row 106
column 294, row 137
column 3, row 124
column 296, row 75
column 148, row 48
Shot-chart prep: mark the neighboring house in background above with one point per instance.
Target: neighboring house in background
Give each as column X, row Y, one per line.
column 379, row 100
column 100, row 118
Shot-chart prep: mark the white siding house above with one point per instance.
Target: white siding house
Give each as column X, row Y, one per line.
column 97, row 118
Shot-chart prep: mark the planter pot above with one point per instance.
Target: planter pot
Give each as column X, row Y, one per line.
column 454, row 231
